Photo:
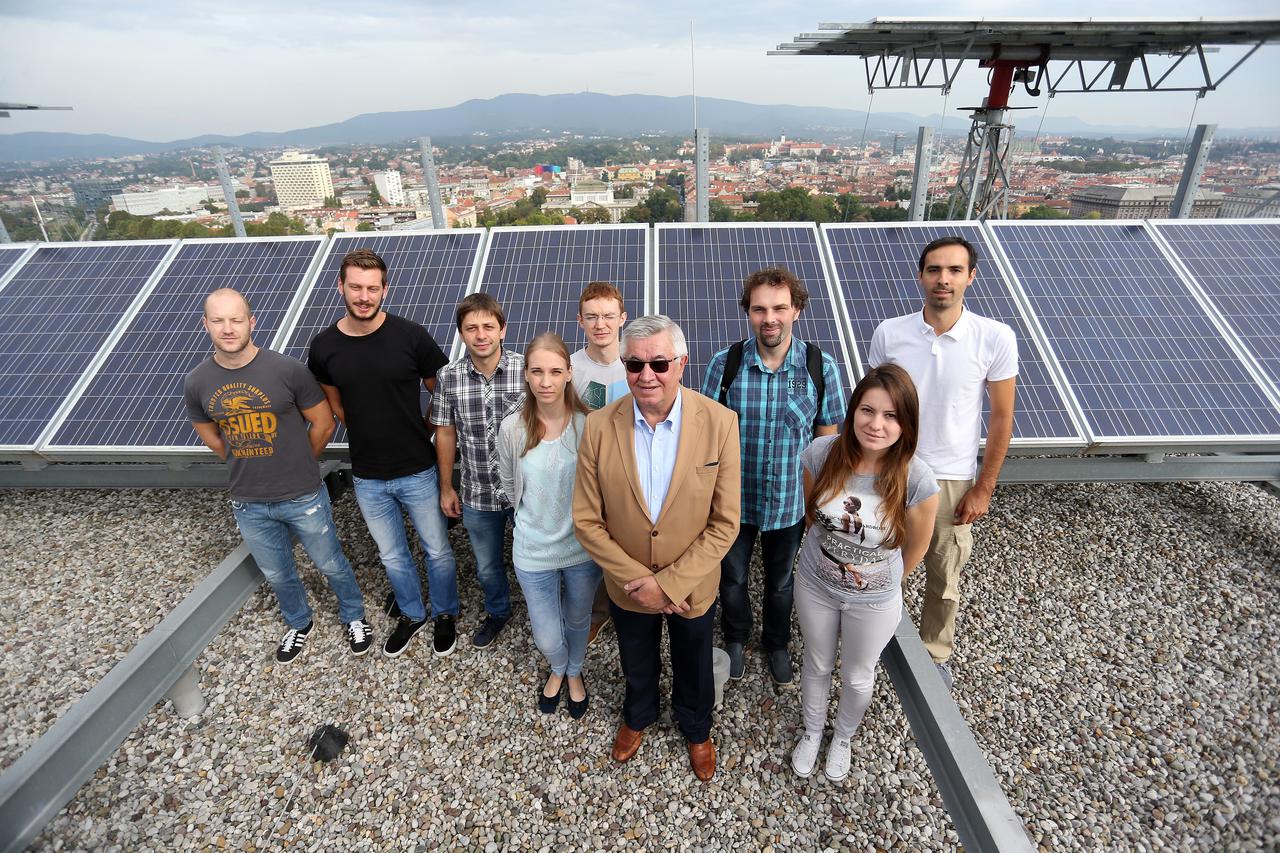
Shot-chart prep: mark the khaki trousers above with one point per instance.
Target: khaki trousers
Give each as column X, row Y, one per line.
column 949, row 550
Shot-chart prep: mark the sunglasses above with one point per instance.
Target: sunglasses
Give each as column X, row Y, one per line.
column 659, row 365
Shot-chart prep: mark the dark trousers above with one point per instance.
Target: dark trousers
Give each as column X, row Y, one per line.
column 692, row 685
column 778, row 550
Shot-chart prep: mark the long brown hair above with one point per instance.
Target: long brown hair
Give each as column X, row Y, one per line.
column 533, row 430
column 891, row 476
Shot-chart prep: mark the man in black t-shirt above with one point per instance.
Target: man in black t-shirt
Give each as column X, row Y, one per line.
column 370, row 364
column 265, row 415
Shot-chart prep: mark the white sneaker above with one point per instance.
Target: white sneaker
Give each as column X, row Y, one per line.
column 838, row 757
column 805, row 755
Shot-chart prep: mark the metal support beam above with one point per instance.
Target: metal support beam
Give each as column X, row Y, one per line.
column 702, row 173
column 979, row 810
column 438, row 219
column 123, row 476
column 229, row 193
column 4, row 233
column 1237, row 468
column 920, row 179
column 1184, row 199
column 45, row 778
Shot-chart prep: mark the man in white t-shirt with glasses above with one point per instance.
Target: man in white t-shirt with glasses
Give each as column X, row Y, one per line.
column 952, row 354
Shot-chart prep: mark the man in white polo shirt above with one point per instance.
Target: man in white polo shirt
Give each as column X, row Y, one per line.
column 952, row 354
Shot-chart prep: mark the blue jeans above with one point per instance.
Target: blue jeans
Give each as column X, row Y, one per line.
column 560, row 612
column 778, row 550
column 381, row 502
column 266, row 525
column 485, row 529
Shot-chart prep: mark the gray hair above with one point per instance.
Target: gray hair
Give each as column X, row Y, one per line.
column 655, row 324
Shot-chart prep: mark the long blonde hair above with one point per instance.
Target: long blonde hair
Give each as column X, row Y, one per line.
column 533, row 429
column 891, row 476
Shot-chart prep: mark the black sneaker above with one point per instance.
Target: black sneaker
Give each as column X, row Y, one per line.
column 292, row 642
column 780, row 667
column 488, row 631
column 446, row 636
column 360, row 636
column 400, row 637
column 390, row 608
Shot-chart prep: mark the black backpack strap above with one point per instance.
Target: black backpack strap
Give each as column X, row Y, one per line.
column 813, row 359
column 732, row 364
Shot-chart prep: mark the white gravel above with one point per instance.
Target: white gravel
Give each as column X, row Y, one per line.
column 1118, row 663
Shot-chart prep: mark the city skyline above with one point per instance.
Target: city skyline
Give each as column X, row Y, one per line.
column 174, row 70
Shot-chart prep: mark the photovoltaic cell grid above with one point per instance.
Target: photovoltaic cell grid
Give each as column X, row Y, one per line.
column 877, row 268
column 1140, row 354
column 135, row 399
column 9, row 256
column 700, row 274
column 1238, row 267
column 428, row 275
column 55, row 315
column 538, row 274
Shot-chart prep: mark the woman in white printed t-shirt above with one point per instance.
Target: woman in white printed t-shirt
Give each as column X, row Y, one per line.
column 869, row 507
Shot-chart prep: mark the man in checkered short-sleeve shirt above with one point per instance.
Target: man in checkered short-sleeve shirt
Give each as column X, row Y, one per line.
column 473, row 395
column 779, row 413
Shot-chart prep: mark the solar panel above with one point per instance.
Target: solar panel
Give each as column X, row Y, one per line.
column 56, row 313
column 877, row 270
column 1237, row 265
column 134, row 401
column 10, row 255
column 698, row 283
column 1141, row 356
column 428, row 274
column 537, row 274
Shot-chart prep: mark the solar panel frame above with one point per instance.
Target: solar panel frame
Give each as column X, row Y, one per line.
column 1100, row 440
column 566, row 327
column 843, row 357
column 338, row 246
column 50, row 447
column 1261, row 349
column 993, row 275
column 26, row 451
column 13, row 256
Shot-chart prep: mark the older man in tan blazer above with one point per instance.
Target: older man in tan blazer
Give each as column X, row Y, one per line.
column 656, row 506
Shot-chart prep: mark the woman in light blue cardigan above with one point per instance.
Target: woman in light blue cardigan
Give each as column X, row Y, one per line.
column 538, row 458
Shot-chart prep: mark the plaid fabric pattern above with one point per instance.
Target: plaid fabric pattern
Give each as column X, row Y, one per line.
column 775, row 416
column 475, row 405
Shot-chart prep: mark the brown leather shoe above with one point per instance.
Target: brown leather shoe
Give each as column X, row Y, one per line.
column 703, row 758
column 626, row 743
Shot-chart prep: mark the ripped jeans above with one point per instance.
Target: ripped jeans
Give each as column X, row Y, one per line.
column 266, row 527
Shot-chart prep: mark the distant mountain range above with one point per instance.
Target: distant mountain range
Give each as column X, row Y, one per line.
column 523, row 115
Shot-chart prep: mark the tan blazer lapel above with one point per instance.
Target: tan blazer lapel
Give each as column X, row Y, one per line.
column 692, row 423
column 624, row 431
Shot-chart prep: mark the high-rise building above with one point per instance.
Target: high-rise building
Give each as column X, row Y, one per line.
column 390, row 187
column 898, row 141
column 301, row 180
column 93, row 193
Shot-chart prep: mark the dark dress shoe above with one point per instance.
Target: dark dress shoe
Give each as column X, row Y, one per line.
column 702, row 756
column 626, row 743
column 548, row 704
column 578, row 709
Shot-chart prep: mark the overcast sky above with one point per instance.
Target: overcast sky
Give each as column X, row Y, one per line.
column 166, row 69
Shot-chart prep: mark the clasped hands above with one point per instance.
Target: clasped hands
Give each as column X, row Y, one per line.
column 648, row 594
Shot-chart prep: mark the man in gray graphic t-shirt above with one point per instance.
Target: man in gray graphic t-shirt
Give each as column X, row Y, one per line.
column 267, row 417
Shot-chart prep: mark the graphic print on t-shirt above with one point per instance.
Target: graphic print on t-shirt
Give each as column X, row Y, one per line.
column 851, row 559
column 243, row 414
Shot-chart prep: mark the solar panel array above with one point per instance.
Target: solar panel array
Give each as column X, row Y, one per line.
column 1140, row 354
column 55, row 314
column 1237, row 265
column 537, row 274
column 427, row 274
column 134, row 401
column 698, row 283
column 877, row 275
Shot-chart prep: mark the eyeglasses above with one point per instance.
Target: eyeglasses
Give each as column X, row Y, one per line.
column 659, row 365
column 590, row 319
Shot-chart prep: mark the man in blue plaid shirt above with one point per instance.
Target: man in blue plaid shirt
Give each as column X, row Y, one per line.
column 473, row 395
column 779, row 413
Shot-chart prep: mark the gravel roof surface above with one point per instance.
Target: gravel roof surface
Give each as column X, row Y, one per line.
column 1117, row 663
